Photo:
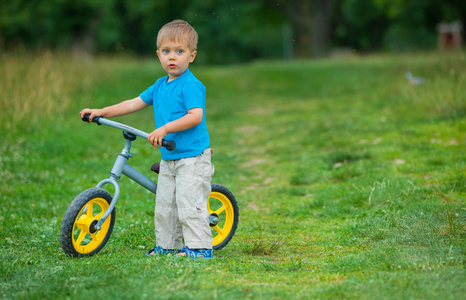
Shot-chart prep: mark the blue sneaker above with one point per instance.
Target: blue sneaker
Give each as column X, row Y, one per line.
column 197, row 253
column 157, row 250
column 200, row 253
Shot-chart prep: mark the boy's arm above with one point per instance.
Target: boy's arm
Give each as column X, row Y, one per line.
column 120, row 109
column 191, row 119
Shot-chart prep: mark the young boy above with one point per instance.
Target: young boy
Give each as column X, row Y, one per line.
column 184, row 181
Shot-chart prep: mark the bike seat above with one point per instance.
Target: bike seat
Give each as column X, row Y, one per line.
column 155, row 168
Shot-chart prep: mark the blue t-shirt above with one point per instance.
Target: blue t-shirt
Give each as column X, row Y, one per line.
column 171, row 101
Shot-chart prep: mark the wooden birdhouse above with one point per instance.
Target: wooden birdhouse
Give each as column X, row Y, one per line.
column 449, row 35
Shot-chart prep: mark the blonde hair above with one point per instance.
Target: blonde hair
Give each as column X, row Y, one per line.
column 178, row 30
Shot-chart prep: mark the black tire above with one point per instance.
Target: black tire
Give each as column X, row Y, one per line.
column 77, row 225
column 222, row 201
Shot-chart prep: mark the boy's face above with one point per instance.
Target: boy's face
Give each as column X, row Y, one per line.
column 175, row 57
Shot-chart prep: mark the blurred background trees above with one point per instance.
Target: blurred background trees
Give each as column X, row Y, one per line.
column 230, row 31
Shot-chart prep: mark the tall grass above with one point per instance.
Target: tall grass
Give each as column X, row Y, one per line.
column 442, row 92
column 38, row 87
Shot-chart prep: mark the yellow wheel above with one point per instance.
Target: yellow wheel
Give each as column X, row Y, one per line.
column 78, row 236
column 223, row 215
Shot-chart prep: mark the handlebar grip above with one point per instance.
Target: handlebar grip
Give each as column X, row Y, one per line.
column 85, row 118
column 170, row 145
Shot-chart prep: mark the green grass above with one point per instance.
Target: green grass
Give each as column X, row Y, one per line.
column 350, row 180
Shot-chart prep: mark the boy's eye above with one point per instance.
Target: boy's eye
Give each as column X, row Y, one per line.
column 179, row 51
column 165, row 51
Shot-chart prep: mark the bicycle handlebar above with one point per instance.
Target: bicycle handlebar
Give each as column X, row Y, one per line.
column 170, row 145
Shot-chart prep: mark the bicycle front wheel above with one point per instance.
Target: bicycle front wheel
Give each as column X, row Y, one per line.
column 78, row 236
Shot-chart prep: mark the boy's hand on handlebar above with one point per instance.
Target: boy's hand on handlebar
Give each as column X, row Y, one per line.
column 92, row 113
column 156, row 137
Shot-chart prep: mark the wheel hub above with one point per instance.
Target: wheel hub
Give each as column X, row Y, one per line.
column 213, row 219
column 92, row 228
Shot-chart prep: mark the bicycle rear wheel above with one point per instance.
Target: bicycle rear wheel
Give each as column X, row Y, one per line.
column 223, row 215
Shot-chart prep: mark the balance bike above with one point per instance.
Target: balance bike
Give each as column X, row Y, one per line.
column 89, row 220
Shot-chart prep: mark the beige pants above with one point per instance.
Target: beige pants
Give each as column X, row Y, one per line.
column 181, row 211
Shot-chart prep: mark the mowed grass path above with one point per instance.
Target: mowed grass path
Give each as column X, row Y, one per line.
column 350, row 179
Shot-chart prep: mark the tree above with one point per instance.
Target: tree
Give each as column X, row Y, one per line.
column 83, row 18
column 230, row 31
column 235, row 31
column 52, row 23
column 396, row 25
column 360, row 24
column 310, row 23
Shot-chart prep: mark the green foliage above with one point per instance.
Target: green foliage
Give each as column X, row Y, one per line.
column 400, row 25
column 350, row 180
column 229, row 31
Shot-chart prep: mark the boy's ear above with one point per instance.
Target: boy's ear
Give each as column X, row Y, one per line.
column 158, row 55
column 193, row 56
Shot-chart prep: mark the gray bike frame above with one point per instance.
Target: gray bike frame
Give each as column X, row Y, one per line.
column 121, row 167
